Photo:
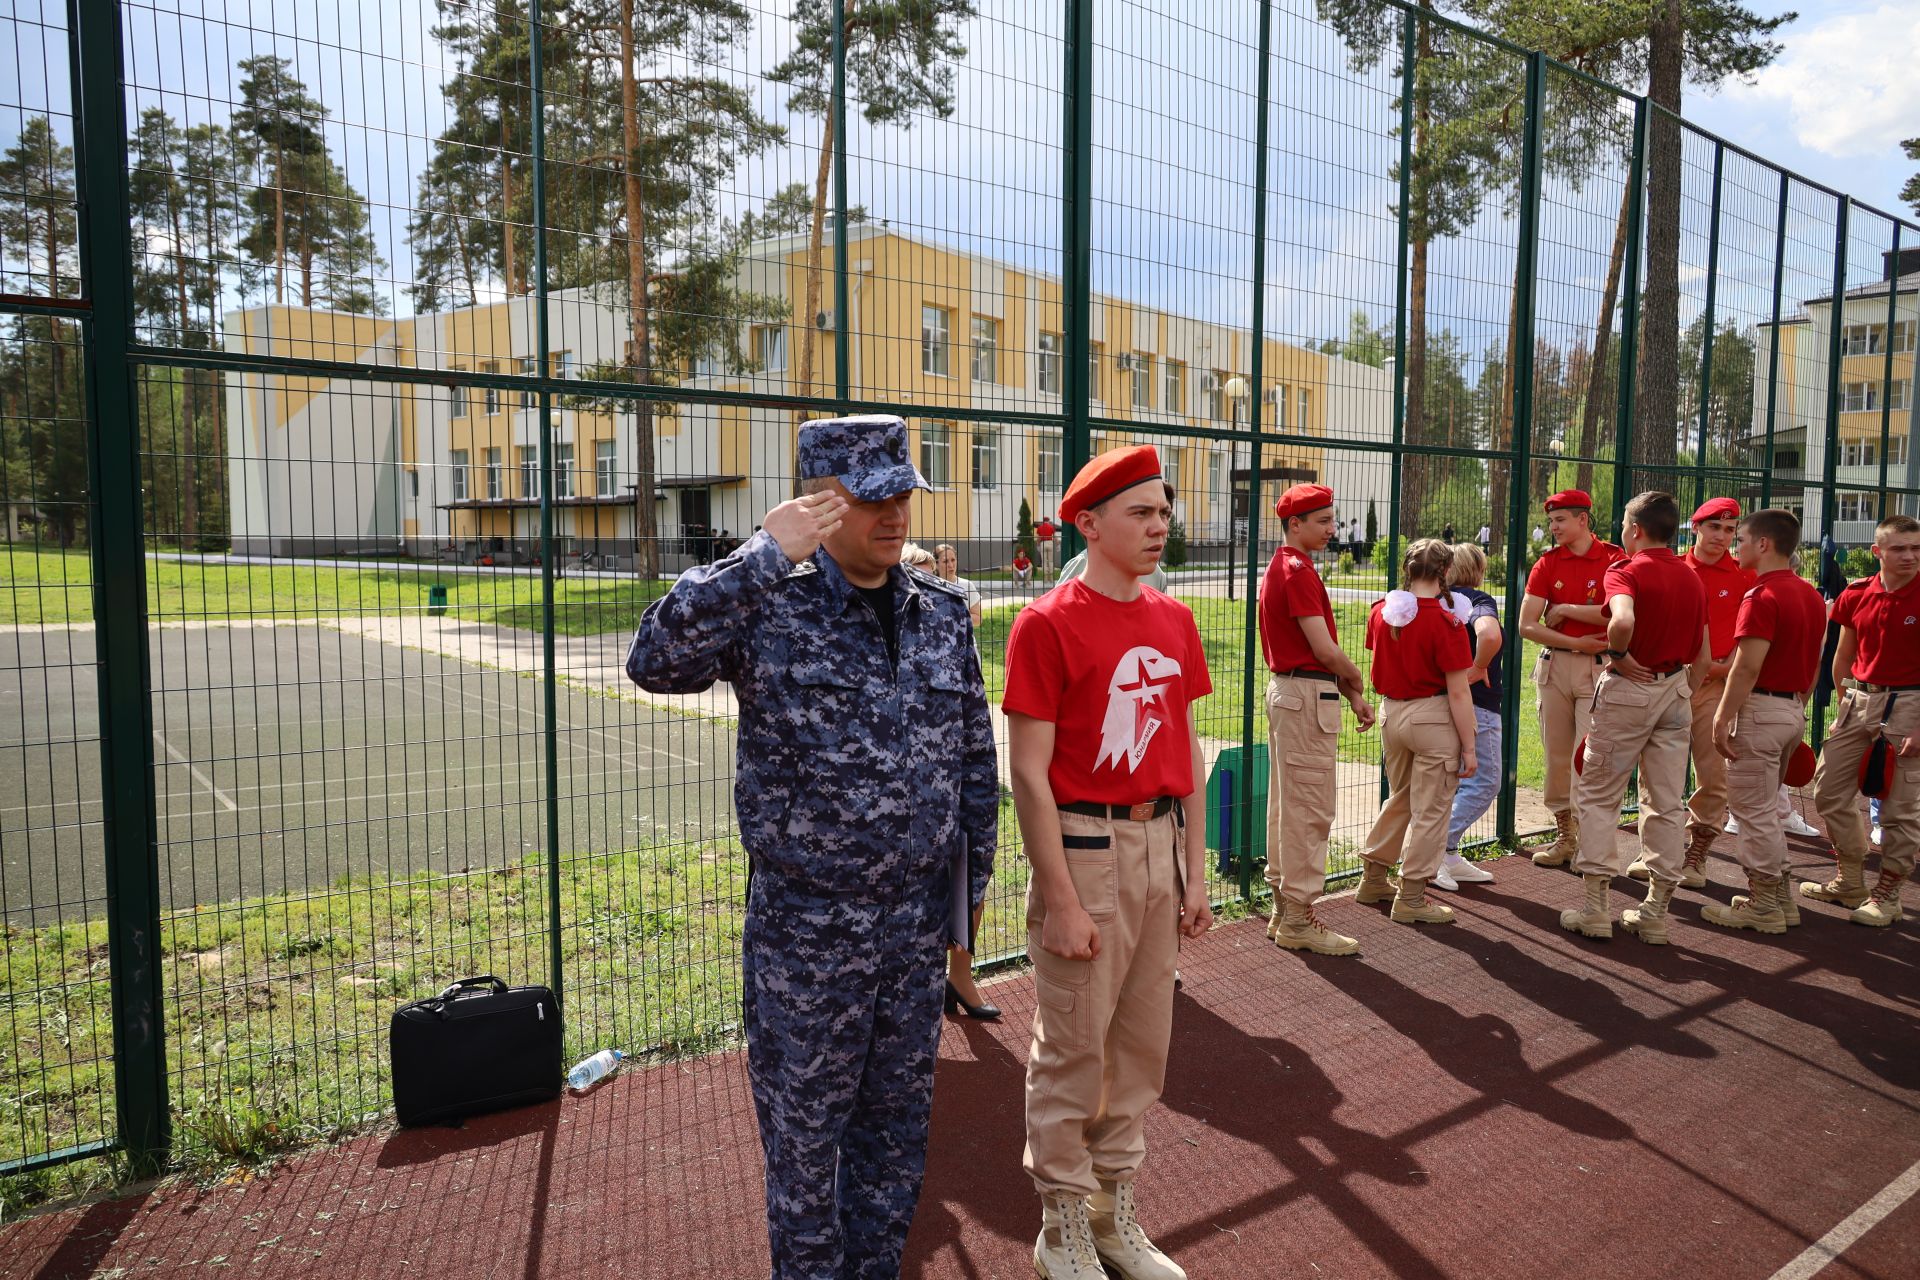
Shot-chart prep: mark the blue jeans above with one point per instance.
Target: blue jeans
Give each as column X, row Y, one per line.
column 1476, row 794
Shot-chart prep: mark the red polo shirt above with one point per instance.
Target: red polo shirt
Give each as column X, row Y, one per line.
column 1561, row 577
column 1292, row 590
column 1887, row 624
column 1669, row 607
column 1783, row 609
column 1414, row 663
column 1726, row 584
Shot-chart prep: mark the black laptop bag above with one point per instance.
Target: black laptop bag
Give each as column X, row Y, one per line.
column 477, row 1046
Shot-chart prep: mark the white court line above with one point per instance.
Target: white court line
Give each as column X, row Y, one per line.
column 1862, row 1220
column 198, row 776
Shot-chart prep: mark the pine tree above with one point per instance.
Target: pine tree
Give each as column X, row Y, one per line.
column 1023, row 532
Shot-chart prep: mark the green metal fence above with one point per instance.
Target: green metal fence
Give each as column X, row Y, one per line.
column 368, row 373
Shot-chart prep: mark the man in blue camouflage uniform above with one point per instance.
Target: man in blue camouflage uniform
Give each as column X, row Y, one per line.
column 866, row 763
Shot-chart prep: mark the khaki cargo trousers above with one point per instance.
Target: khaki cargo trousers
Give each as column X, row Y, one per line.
column 1421, row 752
column 1707, row 806
column 1644, row 725
column 1765, row 735
column 1303, row 746
column 1836, row 785
column 1563, row 684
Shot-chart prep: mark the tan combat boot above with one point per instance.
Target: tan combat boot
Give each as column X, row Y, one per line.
column 1757, row 909
column 1119, row 1239
column 1649, row 919
column 1882, row 907
column 1693, row 872
column 1377, row 882
column 1591, row 917
column 1410, row 905
column 1848, row 887
column 1566, row 842
column 1297, row 928
column 1065, row 1249
column 1789, row 900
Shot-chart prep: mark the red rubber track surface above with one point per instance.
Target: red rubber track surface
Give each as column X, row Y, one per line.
column 1495, row 1098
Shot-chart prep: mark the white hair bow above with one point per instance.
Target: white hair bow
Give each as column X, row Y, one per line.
column 1400, row 608
column 1462, row 607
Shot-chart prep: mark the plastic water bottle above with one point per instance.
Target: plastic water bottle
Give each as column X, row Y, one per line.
column 594, row 1069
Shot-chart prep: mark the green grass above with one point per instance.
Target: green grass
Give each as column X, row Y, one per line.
column 53, row 587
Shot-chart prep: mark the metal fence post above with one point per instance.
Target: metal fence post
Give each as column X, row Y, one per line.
column 1843, row 209
column 1076, row 274
column 1630, row 313
column 1773, row 342
column 1706, row 331
column 1882, row 508
column 1409, row 52
column 1526, row 266
column 842, row 358
column 549, row 679
column 120, row 591
column 1250, row 640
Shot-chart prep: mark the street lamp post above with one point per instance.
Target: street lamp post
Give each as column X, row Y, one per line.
column 1237, row 391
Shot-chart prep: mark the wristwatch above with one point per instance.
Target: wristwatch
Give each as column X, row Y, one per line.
column 1615, row 654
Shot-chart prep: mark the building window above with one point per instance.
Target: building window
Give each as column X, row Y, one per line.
column 1786, row 459
column 1142, row 381
column 1170, row 467
column 1306, row 407
column 1862, row 339
column 936, row 454
column 529, row 368
column 1216, row 476
column 1095, row 350
column 1859, row 452
column 1903, row 335
column 1173, row 379
column 458, row 460
column 1047, row 457
column 491, row 395
column 1855, row 507
column 986, row 457
column 769, row 347
column 605, row 478
column 1859, row 397
column 986, row 349
column 1897, row 451
column 935, row 342
column 1902, row 397
column 1215, row 386
column 562, row 471
column 530, row 472
column 413, row 483
column 496, row 481
column 457, row 396
column 710, row 363
column 561, row 362
column 1277, row 397
column 1049, row 369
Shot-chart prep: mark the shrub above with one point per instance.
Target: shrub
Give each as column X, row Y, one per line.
column 1175, row 553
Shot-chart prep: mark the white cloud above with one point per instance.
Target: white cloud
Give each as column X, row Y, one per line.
column 1847, row 81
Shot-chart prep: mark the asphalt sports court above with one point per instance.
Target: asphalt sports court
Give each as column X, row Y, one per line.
column 289, row 756
column 1493, row 1099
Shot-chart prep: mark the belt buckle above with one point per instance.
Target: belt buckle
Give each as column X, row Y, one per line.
column 1141, row 812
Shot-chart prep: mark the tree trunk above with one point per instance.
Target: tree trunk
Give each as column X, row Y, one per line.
column 508, row 265
column 646, row 540
column 189, row 408
column 1602, row 341
column 1500, row 476
column 279, row 225
column 1657, row 417
column 1413, row 487
column 816, row 249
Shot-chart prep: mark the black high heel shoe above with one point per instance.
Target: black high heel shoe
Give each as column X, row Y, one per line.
column 979, row 1012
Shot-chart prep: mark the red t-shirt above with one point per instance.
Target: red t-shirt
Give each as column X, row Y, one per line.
column 1115, row 679
column 1044, row 531
column 1020, row 560
column 1669, row 607
column 1292, row 590
column 1561, row 577
column 1727, row 585
column 1783, row 609
column 1414, row 664
column 1887, row 624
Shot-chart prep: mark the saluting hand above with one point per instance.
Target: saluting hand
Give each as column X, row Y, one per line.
column 802, row 524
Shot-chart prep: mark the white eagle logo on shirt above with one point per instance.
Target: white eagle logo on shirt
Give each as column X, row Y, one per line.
column 1133, row 693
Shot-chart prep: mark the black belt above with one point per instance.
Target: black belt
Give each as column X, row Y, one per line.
column 1668, row 675
column 1144, row 812
column 1308, row 673
column 1777, row 693
column 1861, row 686
column 1568, row 653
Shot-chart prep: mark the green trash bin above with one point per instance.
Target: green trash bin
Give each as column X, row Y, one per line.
column 1229, row 786
column 436, row 599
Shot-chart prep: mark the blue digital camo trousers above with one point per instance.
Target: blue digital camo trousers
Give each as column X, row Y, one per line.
column 843, row 1024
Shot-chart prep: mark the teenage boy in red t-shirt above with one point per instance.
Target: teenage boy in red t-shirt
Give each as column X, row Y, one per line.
column 1762, row 710
column 1726, row 582
column 1102, row 673
column 1878, row 661
column 1310, row 676
column 1420, row 663
column 1657, row 646
column 1562, row 613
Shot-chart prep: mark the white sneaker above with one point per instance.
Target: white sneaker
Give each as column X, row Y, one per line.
column 1875, row 837
column 1799, row 826
column 1733, row 826
column 1441, row 880
column 1462, row 871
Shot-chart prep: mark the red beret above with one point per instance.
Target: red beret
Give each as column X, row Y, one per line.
column 1571, row 499
column 1109, row 474
column 1801, row 765
column 1302, row 498
column 1715, row 508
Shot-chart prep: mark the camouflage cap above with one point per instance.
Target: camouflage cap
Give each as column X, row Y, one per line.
column 867, row 454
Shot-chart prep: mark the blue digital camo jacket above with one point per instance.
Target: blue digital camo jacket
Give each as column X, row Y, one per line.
column 853, row 776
